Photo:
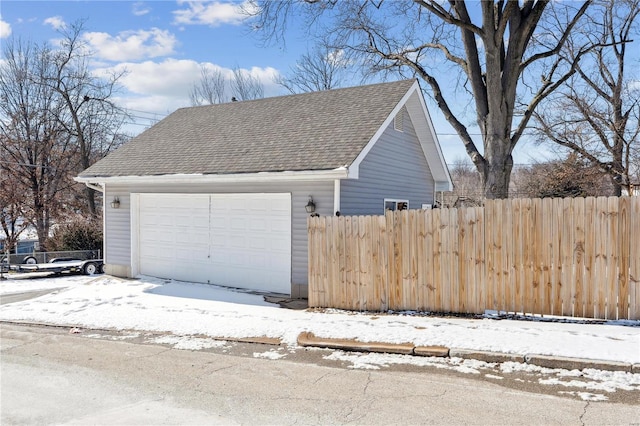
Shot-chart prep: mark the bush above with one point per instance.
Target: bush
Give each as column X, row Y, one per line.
column 78, row 234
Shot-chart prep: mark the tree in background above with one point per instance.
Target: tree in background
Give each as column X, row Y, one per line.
column 56, row 119
column 497, row 51
column 467, row 186
column 89, row 115
column 214, row 86
column 35, row 151
column 597, row 114
column 11, row 208
column 569, row 177
column 321, row 69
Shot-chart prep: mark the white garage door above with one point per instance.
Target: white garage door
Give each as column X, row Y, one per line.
column 239, row 240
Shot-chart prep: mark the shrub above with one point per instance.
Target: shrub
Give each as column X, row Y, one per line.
column 78, row 234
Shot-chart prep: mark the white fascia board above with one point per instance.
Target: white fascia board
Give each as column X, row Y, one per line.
column 307, row 175
column 444, row 175
column 355, row 166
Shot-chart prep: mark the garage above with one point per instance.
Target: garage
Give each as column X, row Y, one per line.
column 237, row 240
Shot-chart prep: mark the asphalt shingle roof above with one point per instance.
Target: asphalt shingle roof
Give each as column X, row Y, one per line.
column 311, row 131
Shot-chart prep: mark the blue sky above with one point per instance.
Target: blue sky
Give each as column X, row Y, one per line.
column 162, row 45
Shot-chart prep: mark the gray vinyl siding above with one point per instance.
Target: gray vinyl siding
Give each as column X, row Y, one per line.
column 118, row 222
column 394, row 168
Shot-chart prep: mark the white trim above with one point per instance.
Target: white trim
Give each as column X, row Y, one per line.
column 336, row 196
column 306, row 175
column 134, row 201
column 448, row 183
column 355, row 166
column 104, row 224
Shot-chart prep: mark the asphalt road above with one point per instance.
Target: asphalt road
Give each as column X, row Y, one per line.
column 49, row 376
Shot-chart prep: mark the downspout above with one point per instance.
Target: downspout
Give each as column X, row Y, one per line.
column 336, row 196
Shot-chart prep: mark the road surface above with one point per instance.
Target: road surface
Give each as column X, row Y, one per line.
column 50, row 376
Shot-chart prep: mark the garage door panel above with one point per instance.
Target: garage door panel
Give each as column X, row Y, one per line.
column 240, row 240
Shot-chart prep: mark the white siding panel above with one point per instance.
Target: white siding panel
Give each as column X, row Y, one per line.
column 395, row 168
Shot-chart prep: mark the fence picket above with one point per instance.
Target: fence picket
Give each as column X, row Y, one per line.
column 634, row 259
column 539, row 256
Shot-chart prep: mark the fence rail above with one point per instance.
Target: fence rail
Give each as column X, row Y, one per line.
column 571, row 257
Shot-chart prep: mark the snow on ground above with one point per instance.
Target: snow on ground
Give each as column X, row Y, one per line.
column 198, row 316
column 186, row 309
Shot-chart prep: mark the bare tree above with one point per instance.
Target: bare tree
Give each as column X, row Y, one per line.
column 210, row 89
column 596, row 114
column 246, row 86
column 321, row 69
column 36, row 153
column 89, row 116
column 568, row 177
column 213, row 86
column 11, row 207
column 495, row 49
column 467, row 187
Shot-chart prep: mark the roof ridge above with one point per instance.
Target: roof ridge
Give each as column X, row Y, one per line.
column 292, row 95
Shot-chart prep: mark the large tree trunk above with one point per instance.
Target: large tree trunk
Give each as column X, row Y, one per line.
column 496, row 173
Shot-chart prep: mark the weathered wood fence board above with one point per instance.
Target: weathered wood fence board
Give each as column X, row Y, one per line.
column 572, row 257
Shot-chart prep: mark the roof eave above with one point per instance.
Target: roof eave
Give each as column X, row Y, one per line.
column 304, row 175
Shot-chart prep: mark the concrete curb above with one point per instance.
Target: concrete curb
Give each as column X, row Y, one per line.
column 491, row 357
column 308, row 339
column 576, row 363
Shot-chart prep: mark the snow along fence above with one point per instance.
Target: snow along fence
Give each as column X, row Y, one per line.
column 571, row 257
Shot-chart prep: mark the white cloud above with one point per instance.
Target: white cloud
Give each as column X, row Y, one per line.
column 140, row 8
column 212, row 13
column 164, row 86
column 56, row 22
column 5, row 29
column 132, row 45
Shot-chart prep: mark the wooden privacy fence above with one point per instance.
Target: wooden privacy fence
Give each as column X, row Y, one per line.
column 572, row 257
